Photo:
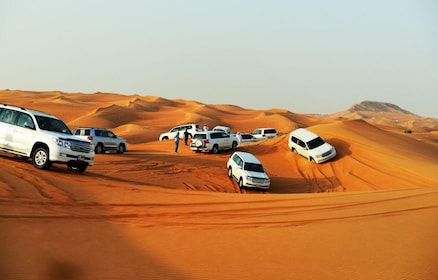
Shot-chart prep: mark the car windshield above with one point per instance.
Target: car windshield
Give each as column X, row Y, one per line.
column 254, row 167
column 51, row 124
column 312, row 144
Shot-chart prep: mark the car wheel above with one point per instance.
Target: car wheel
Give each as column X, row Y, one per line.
column 99, row 148
column 241, row 183
column 234, row 146
column 77, row 167
column 294, row 150
column 121, row 149
column 215, row 149
column 230, row 172
column 312, row 160
column 40, row 158
column 165, row 138
column 199, row 143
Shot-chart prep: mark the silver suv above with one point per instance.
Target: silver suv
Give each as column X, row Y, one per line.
column 42, row 137
column 103, row 139
column 213, row 141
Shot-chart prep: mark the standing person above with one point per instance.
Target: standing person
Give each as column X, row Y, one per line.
column 239, row 138
column 186, row 136
column 176, row 142
column 205, row 127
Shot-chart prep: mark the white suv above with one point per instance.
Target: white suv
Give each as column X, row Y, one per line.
column 248, row 171
column 191, row 129
column 265, row 133
column 42, row 137
column 103, row 139
column 213, row 141
column 310, row 146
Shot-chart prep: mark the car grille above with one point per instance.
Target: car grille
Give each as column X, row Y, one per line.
column 258, row 180
column 327, row 153
column 80, row 146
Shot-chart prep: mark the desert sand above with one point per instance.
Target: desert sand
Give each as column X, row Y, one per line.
column 370, row 213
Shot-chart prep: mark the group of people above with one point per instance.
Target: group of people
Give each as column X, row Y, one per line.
column 186, row 138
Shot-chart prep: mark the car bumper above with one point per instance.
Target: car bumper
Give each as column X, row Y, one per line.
column 326, row 158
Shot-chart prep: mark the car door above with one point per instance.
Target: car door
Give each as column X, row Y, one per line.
column 302, row 149
column 226, row 139
column 8, row 119
column 23, row 134
column 110, row 139
column 238, row 167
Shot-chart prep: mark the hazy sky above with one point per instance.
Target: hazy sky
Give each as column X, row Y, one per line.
column 304, row 56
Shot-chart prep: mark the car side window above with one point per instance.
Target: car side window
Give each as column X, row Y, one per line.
column 237, row 160
column 110, row 134
column 8, row 116
column 302, row 144
column 24, row 120
column 98, row 132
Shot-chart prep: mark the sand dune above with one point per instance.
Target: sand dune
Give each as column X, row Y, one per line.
column 371, row 213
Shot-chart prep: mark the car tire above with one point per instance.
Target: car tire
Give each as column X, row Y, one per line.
column 121, row 149
column 215, row 149
column 240, row 183
column 230, row 172
column 99, row 148
column 164, row 138
column 40, row 158
column 294, row 150
column 312, row 160
column 199, row 143
column 234, row 146
column 77, row 167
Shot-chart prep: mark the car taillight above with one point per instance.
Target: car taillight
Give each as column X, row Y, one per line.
column 90, row 137
column 206, row 141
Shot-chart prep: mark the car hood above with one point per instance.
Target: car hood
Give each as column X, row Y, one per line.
column 322, row 149
column 257, row 174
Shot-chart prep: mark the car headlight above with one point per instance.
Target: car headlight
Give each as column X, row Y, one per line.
column 63, row 143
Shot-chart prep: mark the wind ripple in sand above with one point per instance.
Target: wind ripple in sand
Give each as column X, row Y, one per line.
column 258, row 212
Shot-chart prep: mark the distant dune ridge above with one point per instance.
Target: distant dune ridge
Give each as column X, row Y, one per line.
column 370, row 213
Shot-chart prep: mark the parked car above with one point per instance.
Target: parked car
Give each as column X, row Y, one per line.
column 42, row 137
column 103, row 139
column 191, row 128
column 222, row 128
column 310, row 146
column 248, row 171
column 265, row 133
column 213, row 141
column 248, row 137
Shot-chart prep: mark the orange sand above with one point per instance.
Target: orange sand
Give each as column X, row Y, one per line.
column 371, row 213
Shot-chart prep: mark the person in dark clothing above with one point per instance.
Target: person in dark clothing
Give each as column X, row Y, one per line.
column 176, row 142
column 186, row 136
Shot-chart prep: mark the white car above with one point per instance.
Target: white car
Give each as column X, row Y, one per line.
column 191, row 129
column 265, row 133
column 103, row 139
column 213, row 141
column 310, row 146
column 222, row 128
column 43, row 138
column 248, row 171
